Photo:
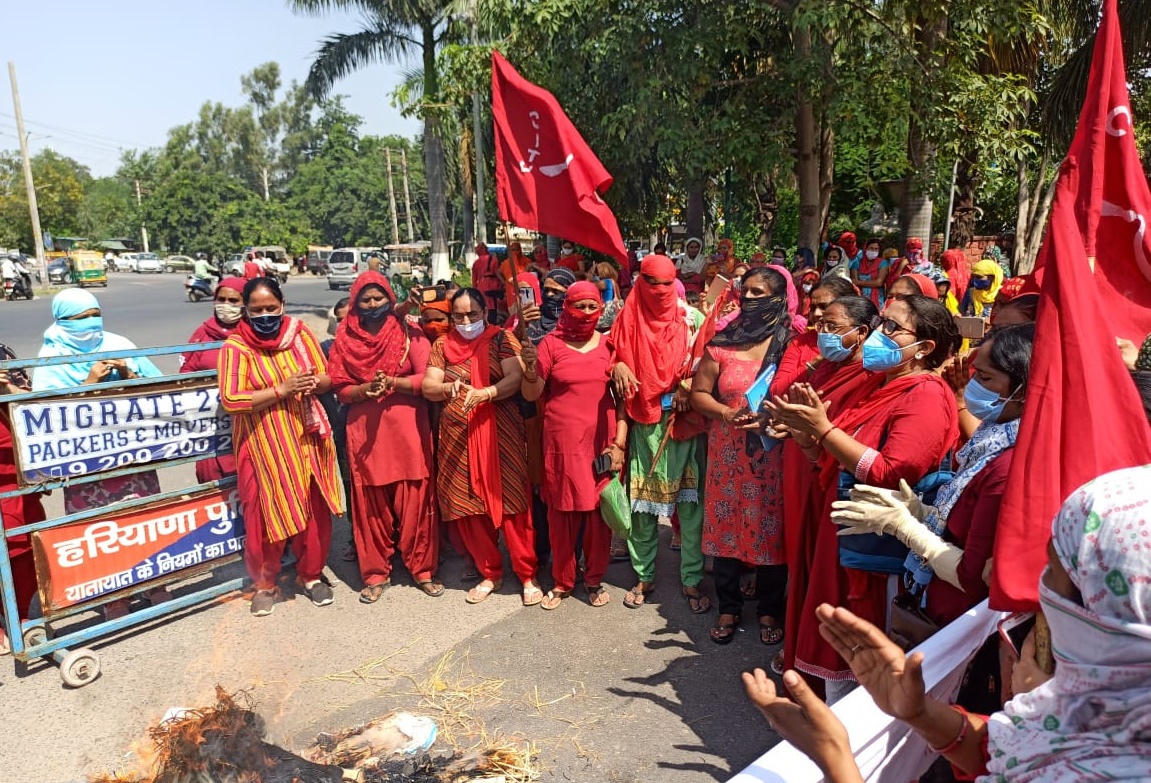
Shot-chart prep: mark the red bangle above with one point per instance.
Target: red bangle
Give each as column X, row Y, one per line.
column 952, row 746
column 276, row 391
column 828, row 431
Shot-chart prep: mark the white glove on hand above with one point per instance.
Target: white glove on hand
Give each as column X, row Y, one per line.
column 905, row 495
column 893, row 517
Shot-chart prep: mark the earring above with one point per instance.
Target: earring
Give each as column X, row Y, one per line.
column 918, row 356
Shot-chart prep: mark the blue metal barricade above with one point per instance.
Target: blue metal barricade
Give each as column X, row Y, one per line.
column 176, row 546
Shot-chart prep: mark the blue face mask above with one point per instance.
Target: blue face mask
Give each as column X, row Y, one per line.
column 266, row 325
column 831, row 346
column 85, row 333
column 984, row 404
column 981, row 284
column 881, row 353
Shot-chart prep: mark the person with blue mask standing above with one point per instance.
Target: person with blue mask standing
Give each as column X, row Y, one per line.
column 953, row 540
column 900, row 432
column 78, row 330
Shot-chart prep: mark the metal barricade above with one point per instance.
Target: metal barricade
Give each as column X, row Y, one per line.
column 111, row 530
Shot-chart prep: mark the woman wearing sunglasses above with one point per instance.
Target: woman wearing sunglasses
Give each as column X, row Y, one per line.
column 900, row 432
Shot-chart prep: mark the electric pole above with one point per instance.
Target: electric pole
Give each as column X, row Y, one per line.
column 33, row 207
column 407, row 193
column 392, row 200
column 143, row 228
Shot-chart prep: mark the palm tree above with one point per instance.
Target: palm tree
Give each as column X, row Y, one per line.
column 393, row 32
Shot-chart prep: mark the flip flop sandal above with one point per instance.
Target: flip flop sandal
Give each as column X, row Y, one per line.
column 724, row 633
column 637, row 596
column 770, row 634
column 777, row 663
column 553, row 599
column 697, row 602
column 372, row 593
column 532, row 594
column 597, row 596
column 480, row 592
column 431, row 587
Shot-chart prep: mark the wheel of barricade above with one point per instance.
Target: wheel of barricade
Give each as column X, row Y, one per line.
column 79, row 668
column 35, row 636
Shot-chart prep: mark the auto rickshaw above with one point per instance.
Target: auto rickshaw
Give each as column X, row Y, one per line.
column 88, row 268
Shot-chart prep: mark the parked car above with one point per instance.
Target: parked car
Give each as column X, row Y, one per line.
column 148, row 262
column 125, row 262
column 318, row 256
column 59, row 271
column 234, row 266
column 179, row 264
column 345, row 265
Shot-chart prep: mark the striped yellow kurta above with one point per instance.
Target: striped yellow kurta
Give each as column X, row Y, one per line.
column 272, row 443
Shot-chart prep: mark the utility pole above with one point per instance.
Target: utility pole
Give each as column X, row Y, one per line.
column 478, row 141
column 407, row 193
column 33, row 207
column 392, row 200
column 143, row 228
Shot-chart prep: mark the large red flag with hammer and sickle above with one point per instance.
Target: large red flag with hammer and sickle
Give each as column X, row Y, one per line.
column 547, row 177
column 1082, row 416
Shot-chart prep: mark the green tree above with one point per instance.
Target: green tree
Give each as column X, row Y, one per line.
column 60, row 183
column 392, row 32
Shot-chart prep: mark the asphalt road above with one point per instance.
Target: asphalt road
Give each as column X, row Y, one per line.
column 607, row 694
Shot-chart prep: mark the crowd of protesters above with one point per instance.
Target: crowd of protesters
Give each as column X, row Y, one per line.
column 831, row 431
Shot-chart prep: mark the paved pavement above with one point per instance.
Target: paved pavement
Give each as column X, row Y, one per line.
column 605, row 694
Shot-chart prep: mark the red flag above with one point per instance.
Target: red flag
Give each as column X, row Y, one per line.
column 1082, row 416
column 547, row 177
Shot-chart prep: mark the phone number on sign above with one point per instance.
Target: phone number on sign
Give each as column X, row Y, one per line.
column 153, row 453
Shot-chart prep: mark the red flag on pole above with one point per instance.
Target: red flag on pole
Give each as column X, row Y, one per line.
column 1082, row 416
column 547, row 177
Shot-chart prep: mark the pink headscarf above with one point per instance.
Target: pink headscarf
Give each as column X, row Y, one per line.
column 798, row 322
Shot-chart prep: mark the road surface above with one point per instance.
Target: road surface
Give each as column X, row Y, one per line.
column 606, row 694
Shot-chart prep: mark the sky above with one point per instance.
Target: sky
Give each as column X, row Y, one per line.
column 99, row 77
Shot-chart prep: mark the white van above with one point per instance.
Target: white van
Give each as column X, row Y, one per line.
column 346, row 263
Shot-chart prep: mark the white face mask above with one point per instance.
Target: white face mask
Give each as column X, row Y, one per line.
column 872, row 255
column 471, row 331
column 567, row 251
column 228, row 313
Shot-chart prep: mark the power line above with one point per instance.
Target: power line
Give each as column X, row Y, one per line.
column 81, row 134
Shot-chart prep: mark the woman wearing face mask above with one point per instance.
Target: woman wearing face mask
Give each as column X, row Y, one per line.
column 79, row 331
column 1089, row 722
column 271, row 371
column 740, row 526
column 844, row 326
column 986, row 280
column 482, row 476
column 953, row 540
column 833, row 264
column 901, row 431
column 227, row 310
column 580, row 423
column 802, row 352
column 869, row 272
column 569, row 259
column 540, row 264
column 377, row 368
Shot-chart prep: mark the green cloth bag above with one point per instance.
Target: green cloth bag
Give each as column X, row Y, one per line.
column 615, row 507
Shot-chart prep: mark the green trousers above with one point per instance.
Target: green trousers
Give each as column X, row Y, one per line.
column 644, row 544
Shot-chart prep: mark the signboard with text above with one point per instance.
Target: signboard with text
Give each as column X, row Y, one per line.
column 89, row 559
column 84, row 435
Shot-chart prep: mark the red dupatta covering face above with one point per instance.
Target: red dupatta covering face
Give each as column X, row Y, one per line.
column 576, row 326
column 650, row 337
column 357, row 354
column 483, row 436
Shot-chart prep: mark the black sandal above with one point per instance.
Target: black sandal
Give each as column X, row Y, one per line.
column 431, row 587
column 770, row 633
column 723, row 632
column 372, row 593
column 637, row 596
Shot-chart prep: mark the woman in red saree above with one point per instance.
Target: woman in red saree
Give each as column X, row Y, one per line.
column 841, row 330
column 901, row 431
column 482, row 477
column 377, row 366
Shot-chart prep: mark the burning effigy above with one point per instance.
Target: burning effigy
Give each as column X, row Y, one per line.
column 226, row 743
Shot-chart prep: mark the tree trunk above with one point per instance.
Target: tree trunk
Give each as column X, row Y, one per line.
column 826, row 172
column 766, row 207
column 434, row 161
column 807, row 157
column 695, row 208
column 964, row 213
column 915, row 216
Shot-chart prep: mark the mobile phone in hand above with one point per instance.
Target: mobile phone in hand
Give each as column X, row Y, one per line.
column 527, row 297
column 601, row 465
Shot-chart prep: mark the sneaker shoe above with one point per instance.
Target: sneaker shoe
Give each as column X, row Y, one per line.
column 320, row 593
column 263, row 602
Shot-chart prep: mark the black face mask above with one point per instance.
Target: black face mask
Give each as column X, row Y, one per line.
column 375, row 314
column 769, row 308
column 552, row 305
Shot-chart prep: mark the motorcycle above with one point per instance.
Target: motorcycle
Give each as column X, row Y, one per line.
column 19, row 287
column 198, row 289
